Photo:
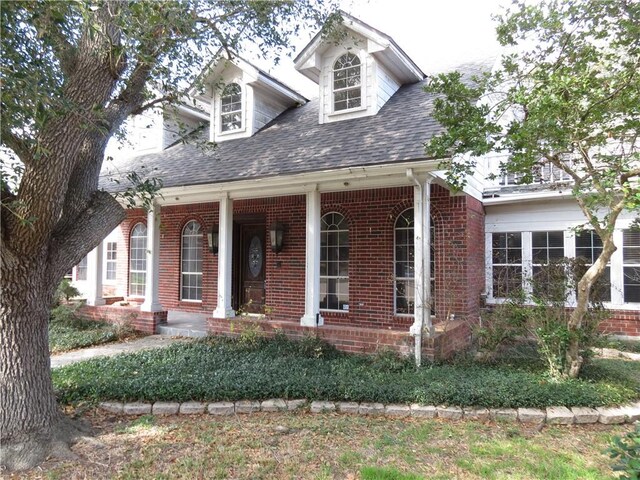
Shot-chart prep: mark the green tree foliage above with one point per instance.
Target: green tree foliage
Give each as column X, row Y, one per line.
column 565, row 93
column 72, row 72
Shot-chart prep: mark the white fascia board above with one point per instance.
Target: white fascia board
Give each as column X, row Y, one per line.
column 281, row 89
column 525, row 197
column 193, row 112
column 352, row 178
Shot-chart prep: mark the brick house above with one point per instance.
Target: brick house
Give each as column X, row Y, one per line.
column 325, row 216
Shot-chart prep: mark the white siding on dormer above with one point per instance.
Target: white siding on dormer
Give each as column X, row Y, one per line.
column 387, row 86
column 177, row 126
column 266, row 108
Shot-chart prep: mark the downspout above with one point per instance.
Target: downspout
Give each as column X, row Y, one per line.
column 423, row 316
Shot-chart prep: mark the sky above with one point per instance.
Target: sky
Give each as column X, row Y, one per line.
column 436, row 34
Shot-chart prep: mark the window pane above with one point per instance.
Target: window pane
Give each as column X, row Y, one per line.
column 334, row 262
column 192, row 239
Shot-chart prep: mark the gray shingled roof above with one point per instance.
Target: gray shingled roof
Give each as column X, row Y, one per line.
column 296, row 143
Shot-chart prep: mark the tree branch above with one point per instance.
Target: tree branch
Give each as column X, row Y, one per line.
column 19, row 146
column 148, row 105
column 69, row 246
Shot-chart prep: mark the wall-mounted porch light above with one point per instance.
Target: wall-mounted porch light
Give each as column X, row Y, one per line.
column 276, row 234
column 213, row 239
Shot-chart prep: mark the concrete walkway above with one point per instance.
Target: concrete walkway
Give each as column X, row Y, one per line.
column 111, row 349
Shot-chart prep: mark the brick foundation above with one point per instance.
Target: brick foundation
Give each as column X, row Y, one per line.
column 623, row 323
column 146, row 322
column 455, row 337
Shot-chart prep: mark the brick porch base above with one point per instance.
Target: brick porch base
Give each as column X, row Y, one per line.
column 448, row 339
column 146, row 322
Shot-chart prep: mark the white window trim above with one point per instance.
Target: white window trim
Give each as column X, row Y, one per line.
column 336, row 277
column 363, row 86
column 190, row 273
column 525, row 264
column 243, row 100
column 616, row 265
column 137, row 271
column 396, row 278
column 106, row 261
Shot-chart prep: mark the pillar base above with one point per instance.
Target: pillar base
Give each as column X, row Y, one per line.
column 151, row 307
column 310, row 321
column 224, row 313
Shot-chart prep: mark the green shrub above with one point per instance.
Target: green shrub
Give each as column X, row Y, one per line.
column 542, row 316
column 68, row 331
column 626, row 453
column 223, row 369
column 66, row 291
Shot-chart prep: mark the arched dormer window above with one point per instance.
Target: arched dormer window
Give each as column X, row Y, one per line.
column 231, row 108
column 347, row 82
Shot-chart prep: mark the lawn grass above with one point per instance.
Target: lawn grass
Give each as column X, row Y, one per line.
column 220, row 369
column 631, row 346
column 68, row 332
column 331, row 446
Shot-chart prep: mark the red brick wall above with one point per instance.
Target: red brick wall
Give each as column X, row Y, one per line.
column 141, row 321
column 460, row 267
column 173, row 220
column 134, row 217
column 349, row 339
column 371, row 215
column 622, row 322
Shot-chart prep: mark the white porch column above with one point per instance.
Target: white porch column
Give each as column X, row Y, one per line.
column 225, row 257
column 422, row 257
column 312, row 317
column 94, row 277
column 151, row 293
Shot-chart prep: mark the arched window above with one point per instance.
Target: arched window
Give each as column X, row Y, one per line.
column 334, row 262
column 404, row 266
column 138, row 260
column 347, row 82
column 231, row 108
column 191, row 262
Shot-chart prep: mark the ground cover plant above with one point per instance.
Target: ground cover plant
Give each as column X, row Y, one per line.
column 331, row 446
column 223, row 369
column 67, row 331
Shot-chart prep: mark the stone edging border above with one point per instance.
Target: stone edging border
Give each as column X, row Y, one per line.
column 551, row 415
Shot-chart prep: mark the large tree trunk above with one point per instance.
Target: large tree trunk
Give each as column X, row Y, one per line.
column 30, row 421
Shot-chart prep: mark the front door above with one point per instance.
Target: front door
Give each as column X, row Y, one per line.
column 252, row 266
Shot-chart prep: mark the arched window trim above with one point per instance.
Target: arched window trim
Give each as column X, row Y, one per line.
column 237, row 109
column 356, row 91
column 334, row 281
column 138, row 270
column 411, row 280
column 197, row 249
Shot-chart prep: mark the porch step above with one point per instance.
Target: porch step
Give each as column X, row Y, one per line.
column 180, row 331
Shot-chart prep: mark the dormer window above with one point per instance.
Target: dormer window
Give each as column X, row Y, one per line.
column 347, row 83
column 231, row 108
